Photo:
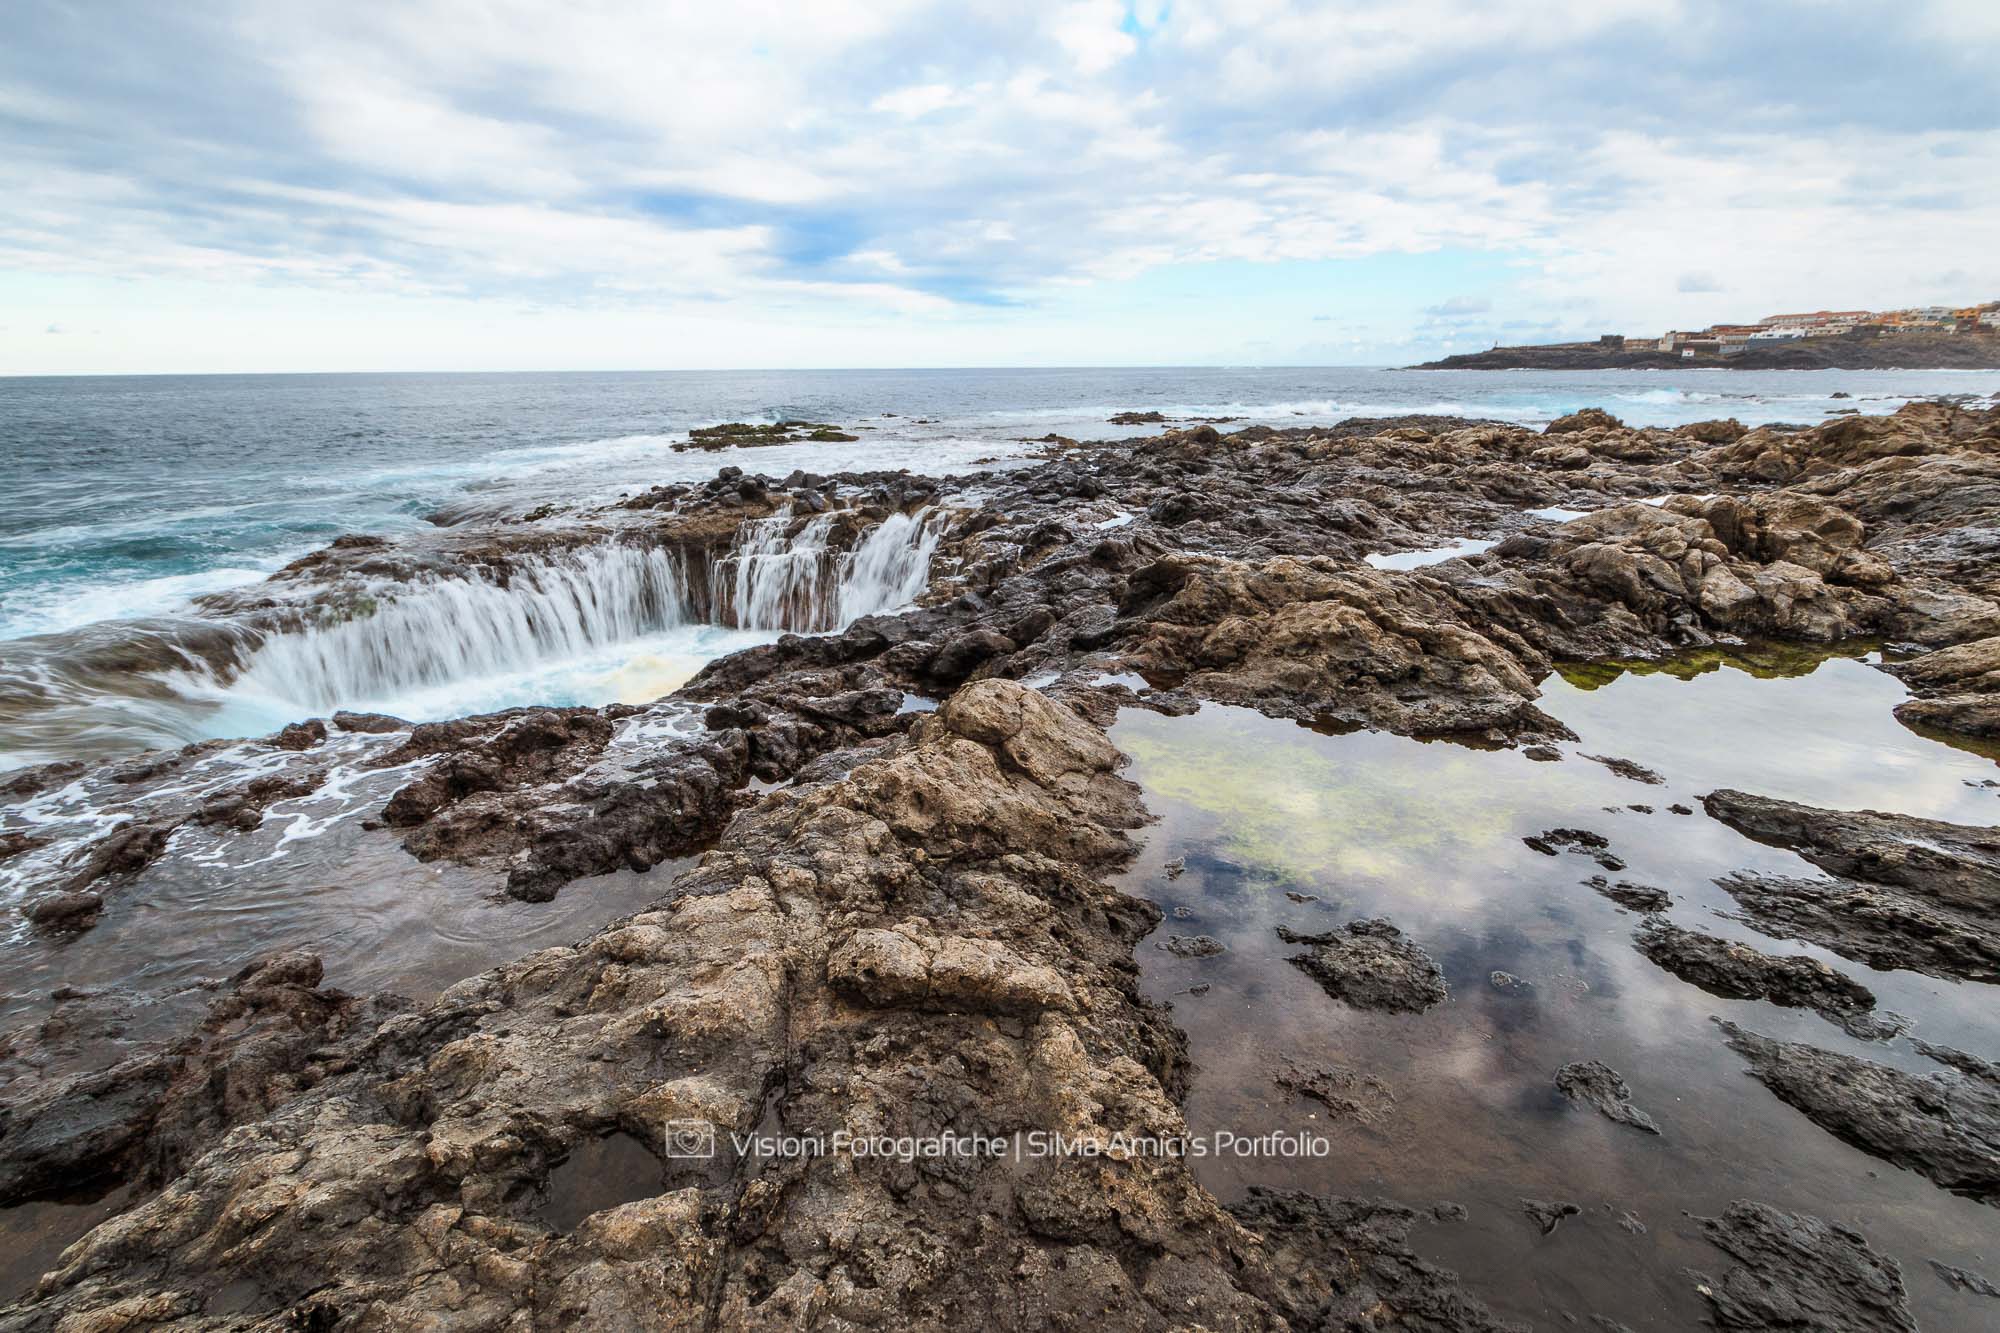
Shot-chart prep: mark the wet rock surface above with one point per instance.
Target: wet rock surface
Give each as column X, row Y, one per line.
column 874, row 954
column 1738, row 972
column 1945, row 1126
column 1906, row 892
column 1370, row 965
column 1596, row 1084
column 1798, row 1272
column 900, row 926
column 270, row 1032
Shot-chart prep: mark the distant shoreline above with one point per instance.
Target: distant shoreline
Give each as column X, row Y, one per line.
column 1957, row 351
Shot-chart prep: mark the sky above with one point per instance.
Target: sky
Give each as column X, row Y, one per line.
column 491, row 185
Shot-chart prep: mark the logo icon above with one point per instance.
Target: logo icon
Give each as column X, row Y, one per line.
column 690, row 1138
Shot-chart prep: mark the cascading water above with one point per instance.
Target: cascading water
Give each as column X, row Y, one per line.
column 568, row 627
column 890, row 566
column 558, row 607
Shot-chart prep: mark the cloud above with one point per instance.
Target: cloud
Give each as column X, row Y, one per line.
column 842, row 164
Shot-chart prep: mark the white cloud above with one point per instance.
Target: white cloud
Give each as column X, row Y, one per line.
column 913, row 160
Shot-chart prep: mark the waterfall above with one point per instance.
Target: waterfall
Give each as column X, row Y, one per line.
column 890, row 566
column 439, row 630
column 572, row 605
column 781, row 582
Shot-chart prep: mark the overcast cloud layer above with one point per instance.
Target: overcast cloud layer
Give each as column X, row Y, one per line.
column 461, row 184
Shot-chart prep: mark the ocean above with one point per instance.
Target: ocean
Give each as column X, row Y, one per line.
column 128, row 498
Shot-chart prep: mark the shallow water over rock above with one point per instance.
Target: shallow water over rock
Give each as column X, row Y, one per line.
column 1266, row 825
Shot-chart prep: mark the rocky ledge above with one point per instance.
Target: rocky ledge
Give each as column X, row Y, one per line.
column 901, row 925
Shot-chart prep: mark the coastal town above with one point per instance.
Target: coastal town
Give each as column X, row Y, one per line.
column 1732, row 339
column 1937, row 337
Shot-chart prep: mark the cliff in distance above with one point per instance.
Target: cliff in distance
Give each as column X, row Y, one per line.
column 1908, row 351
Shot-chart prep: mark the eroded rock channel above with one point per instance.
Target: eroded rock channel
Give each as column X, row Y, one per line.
column 887, row 876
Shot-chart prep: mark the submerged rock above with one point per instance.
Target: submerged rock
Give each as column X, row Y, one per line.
column 1945, row 1126
column 1348, row 1094
column 1797, row 1272
column 1192, row 946
column 1626, row 768
column 1347, row 1263
column 1594, row 1083
column 1369, row 965
column 1958, row 1279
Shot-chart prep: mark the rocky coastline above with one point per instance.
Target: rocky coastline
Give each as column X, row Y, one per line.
column 901, row 923
column 1929, row 351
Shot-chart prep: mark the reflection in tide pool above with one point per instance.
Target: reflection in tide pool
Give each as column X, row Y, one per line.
column 1277, row 825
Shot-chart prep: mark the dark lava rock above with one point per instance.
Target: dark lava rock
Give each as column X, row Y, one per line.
column 1625, row 768
column 65, row 910
column 1738, row 972
column 1509, row 985
column 1548, row 1213
column 1192, row 946
column 300, row 735
column 1883, row 928
column 1371, row 966
column 1799, row 1273
column 1945, row 1126
column 1347, row 1264
column 1963, row 1062
column 126, row 850
column 374, row 724
column 1555, row 841
column 1597, row 1084
column 1136, row 419
column 1638, row 897
column 1954, row 865
column 1908, row 893
column 271, row 1033
column 1542, row 754
column 1959, row 1280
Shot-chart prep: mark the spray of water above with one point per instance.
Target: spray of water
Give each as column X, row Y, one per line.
column 578, row 604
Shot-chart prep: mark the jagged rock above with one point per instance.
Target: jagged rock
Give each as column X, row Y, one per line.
column 1959, row 1280
column 1739, row 972
column 1555, row 841
column 1369, row 965
column 1797, row 1272
column 1913, row 893
column 1597, row 1084
column 1625, row 768
column 1945, row 1126
column 1347, row 1263
column 1638, row 897
column 915, row 947
column 270, row 1034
